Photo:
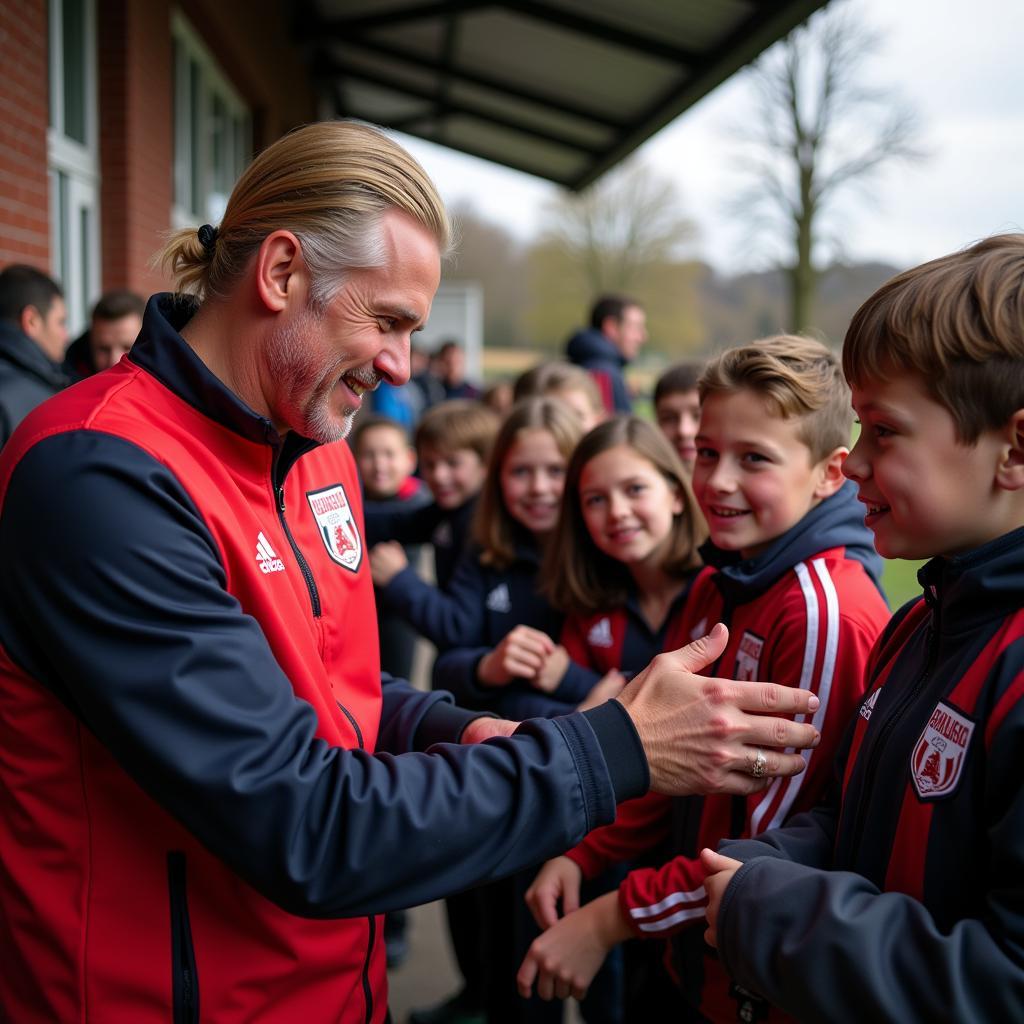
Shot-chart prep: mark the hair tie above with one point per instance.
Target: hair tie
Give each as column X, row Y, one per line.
column 207, row 238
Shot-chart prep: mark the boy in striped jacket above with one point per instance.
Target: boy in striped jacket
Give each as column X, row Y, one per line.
column 792, row 572
column 902, row 897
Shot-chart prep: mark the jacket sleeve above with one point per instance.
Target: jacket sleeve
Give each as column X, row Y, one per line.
column 455, row 671
column 411, row 719
column 639, row 826
column 831, row 946
column 114, row 598
column 447, row 618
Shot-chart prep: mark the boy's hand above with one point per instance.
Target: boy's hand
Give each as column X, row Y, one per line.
column 719, row 874
column 551, row 672
column 608, row 686
column 564, row 960
column 558, row 881
column 520, row 655
column 703, row 735
column 387, row 560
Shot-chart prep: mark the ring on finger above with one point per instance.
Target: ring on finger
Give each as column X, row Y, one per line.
column 760, row 766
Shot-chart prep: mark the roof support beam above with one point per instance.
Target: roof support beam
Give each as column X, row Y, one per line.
column 437, row 100
column 513, row 90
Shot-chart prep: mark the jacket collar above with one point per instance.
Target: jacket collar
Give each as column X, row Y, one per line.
column 18, row 348
column 978, row 586
column 161, row 351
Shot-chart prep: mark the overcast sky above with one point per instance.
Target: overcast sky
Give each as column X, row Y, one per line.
column 960, row 65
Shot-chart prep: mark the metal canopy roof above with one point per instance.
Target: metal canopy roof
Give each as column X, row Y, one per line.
column 563, row 89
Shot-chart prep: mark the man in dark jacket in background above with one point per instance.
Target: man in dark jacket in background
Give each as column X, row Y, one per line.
column 116, row 322
column 618, row 327
column 33, row 333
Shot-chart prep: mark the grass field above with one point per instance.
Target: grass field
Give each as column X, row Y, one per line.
column 899, row 580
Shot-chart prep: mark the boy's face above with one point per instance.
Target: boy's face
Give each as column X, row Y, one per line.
column 453, row 476
column 678, row 416
column 754, row 478
column 925, row 493
column 385, row 459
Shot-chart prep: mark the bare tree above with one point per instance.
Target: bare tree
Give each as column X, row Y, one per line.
column 627, row 221
column 819, row 130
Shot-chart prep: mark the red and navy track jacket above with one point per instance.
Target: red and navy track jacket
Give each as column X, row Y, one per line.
column 620, row 638
column 200, row 810
column 805, row 612
column 901, row 897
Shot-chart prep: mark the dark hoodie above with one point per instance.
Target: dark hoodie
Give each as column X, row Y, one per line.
column 595, row 352
column 27, row 377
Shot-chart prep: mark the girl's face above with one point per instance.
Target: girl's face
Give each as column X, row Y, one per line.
column 628, row 506
column 532, row 480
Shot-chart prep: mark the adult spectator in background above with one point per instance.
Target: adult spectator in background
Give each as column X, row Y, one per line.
column 618, row 327
column 33, row 333
column 208, row 795
column 115, row 324
column 451, row 369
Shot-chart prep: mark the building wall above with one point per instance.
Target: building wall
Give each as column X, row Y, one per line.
column 250, row 40
column 24, row 96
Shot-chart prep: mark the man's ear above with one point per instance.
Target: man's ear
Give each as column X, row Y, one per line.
column 830, row 473
column 1010, row 471
column 281, row 274
column 29, row 320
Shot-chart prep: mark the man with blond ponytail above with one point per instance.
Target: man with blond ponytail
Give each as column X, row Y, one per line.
column 207, row 797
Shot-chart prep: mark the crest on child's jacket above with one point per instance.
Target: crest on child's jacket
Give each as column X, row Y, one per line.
column 337, row 525
column 939, row 755
column 748, row 657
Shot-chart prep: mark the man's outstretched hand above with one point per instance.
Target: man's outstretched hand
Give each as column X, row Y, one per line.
column 702, row 734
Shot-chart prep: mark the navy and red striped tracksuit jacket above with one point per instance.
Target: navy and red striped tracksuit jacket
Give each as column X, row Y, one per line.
column 901, row 897
column 201, row 810
column 805, row 612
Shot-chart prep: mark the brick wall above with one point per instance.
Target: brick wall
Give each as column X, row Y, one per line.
column 135, row 95
column 24, row 99
column 136, row 138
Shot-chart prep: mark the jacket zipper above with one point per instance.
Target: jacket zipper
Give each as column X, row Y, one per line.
column 184, row 977
column 300, row 558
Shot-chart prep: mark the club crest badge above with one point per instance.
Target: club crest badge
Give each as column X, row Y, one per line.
column 748, row 657
column 337, row 525
column 938, row 758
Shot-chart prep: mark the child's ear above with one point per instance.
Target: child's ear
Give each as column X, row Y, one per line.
column 1010, row 471
column 830, row 473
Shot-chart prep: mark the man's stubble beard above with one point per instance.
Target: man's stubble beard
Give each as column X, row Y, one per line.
column 306, row 397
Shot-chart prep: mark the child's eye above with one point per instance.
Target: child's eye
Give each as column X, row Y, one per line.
column 592, row 500
column 880, row 431
column 755, row 457
column 705, row 454
column 636, row 488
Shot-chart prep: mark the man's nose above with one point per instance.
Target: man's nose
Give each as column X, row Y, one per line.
column 392, row 362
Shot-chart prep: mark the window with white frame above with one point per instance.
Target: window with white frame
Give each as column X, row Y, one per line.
column 212, row 131
column 73, row 156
